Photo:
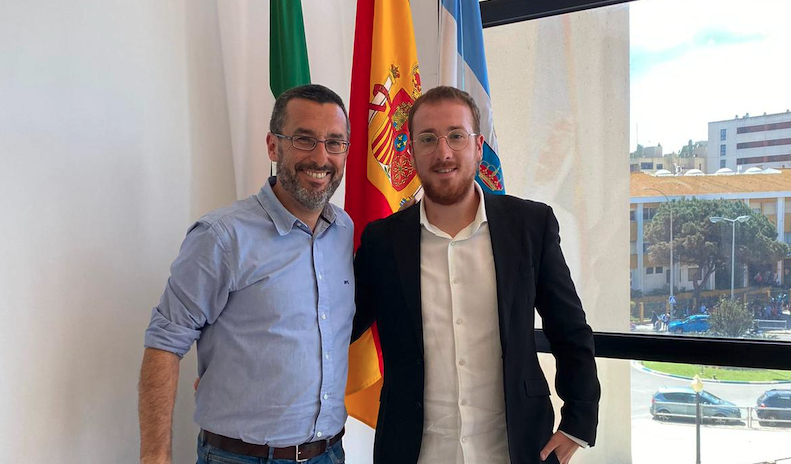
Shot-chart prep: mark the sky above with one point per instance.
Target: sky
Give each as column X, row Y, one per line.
column 697, row 61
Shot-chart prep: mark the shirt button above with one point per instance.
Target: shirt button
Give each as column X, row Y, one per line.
column 319, row 434
column 326, row 356
column 463, row 402
column 461, row 362
column 324, row 316
column 326, row 396
column 464, row 439
column 459, row 321
column 320, row 277
column 419, row 404
column 455, row 281
column 452, row 243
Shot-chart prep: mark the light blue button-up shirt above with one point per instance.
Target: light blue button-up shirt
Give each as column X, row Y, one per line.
column 271, row 305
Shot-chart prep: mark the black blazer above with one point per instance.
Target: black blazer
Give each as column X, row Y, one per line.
column 531, row 273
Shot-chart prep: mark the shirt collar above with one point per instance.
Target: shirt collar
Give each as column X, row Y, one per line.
column 283, row 219
column 470, row 230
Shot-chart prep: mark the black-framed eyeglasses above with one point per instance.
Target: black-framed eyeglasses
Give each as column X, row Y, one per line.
column 308, row 143
column 426, row 143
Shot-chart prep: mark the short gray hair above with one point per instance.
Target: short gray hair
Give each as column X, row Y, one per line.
column 312, row 92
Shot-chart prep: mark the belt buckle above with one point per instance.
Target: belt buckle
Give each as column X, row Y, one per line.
column 296, row 455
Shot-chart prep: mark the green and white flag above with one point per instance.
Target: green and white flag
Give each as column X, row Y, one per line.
column 288, row 51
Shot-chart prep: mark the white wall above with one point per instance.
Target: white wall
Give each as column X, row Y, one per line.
column 113, row 137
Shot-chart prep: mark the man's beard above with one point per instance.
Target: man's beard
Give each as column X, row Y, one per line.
column 311, row 200
column 448, row 193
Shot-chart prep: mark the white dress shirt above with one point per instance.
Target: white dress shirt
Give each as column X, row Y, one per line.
column 464, row 403
column 464, row 406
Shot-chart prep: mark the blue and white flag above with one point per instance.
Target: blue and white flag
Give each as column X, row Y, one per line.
column 462, row 64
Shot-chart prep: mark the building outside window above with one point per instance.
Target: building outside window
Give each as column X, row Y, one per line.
column 693, row 274
column 645, row 88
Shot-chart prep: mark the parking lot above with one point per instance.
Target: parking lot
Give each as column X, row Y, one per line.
column 674, row 441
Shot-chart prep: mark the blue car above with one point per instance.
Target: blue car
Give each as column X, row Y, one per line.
column 696, row 323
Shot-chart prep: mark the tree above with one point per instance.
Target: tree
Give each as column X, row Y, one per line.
column 730, row 318
column 699, row 242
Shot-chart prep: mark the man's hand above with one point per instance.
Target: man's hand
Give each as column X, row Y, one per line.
column 563, row 446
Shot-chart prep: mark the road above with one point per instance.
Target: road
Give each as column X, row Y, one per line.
column 655, row 442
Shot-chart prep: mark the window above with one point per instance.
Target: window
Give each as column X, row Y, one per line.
column 763, row 143
column 631, row 216
column 722, row 150
column 764, row 159
column 693, row 274
column 640, row 58
column 722, row 134
column 646, row 245
column 659, row 166
column 658, row 270
column 722, row 164
column 764, row 127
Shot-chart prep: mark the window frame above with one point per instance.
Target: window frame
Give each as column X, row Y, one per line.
column 755, row 353
column 502, row 12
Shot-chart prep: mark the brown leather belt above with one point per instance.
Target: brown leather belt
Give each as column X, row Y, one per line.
column 299, row 453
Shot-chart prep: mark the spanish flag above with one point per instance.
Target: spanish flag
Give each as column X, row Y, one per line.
column 379, row 172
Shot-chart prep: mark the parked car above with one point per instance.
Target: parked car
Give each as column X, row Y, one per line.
column 696, row 323
column 774, row 405
column 669, row 403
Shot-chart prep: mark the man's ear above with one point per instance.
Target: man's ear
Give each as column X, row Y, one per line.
column 479, row 147
column 271, row 146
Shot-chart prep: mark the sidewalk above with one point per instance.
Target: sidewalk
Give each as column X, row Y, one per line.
column 656, row 442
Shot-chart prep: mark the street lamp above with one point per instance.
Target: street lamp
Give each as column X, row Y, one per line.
column 716, row 219
column 671, row 299
column 697, row 385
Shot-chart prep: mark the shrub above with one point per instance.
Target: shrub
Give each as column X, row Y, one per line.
column 731, row 318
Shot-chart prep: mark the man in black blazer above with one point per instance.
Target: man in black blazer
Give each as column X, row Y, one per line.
column 452, row 284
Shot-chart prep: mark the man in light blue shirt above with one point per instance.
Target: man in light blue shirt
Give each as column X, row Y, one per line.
column 266, row 288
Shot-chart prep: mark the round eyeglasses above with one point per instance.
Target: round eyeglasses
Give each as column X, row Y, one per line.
column 426, row 143
column 308, row 143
